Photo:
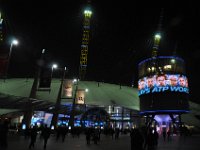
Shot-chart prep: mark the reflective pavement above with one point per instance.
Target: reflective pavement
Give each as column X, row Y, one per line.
column 16, row 142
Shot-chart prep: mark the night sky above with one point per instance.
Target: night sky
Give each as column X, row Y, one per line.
column 121, row 36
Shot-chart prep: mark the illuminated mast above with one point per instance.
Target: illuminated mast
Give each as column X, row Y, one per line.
column 85, row 43
column 157, row 37
column 2, row 59
column 1, row 29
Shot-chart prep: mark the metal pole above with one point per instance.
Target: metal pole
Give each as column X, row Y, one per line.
column 58, row 102
column 122, row 118
column 8, row 59
column 51, row 73
column 71, row 120
column 29, row 111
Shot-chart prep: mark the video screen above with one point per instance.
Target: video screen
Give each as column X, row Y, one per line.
column 163, row 83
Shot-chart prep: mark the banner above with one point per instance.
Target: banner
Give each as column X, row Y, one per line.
column 45, row 78
column 67, row 88
column 80, row 96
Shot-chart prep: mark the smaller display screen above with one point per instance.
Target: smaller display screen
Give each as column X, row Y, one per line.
column 163, row 83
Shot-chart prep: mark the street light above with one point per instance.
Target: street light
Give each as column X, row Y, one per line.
column 54, row 66
column 14, row 42
column 86, row 90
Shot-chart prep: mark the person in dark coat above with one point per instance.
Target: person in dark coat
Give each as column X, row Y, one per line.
column 33, row 135
column 150, row 143
column 58, row 132
column 3, row 134
column 137, row 140
column 168, row 135
column 46, row 134
column 64, row 131
column 155, row 136
column 117, row 133
column 88, row 134
column 112, row 132
column 164, row 134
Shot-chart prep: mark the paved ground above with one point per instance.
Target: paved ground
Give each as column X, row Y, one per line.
column 106, row 143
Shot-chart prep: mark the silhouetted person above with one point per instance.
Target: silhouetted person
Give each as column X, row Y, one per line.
column 137, row 140
column 116, row 133
column 63, row 132
column 164, row 135
column 149, row 140
column 112, row 131
column 168, row 135
column 41, row 129
column 88, row 135
column 155, row 136
column 132, row 135
column 33, row 135
column 99, row 134
column 58, row 132
column 95, row 136
column 46, row 134
column 3, row 134
column 26, row 133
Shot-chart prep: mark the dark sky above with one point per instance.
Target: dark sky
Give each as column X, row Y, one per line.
column 121, row 36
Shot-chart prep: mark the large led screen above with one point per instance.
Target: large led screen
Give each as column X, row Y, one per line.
column 163, row 83
column 161, row 93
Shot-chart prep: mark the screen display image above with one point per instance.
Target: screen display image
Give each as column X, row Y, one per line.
column 163, row 83
column 163, row 93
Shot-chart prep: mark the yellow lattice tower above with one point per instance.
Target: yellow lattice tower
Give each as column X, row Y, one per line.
column 85, row 42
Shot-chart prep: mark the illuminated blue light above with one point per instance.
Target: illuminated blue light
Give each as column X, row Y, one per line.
column 163, row 89
column 23, row 126
column 161, row 57
column 164, row 111
column 86, row 27
column 162, row 118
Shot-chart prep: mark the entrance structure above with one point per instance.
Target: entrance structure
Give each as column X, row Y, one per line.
column 120, row 102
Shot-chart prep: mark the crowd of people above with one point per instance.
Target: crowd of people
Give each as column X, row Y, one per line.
column 140, row 138
column 91, row 133
column 143, row 139
column 147, row 138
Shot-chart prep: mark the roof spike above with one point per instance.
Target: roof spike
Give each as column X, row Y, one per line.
column 157, row 35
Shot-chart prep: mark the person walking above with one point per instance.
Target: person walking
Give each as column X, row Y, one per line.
column 168, row 135
column 3, row 134
column 137, row 139
column 149, row 142
column 116, row 133
column 58, row 132
column 164, row 134
column 63, row 132
column 88, row 135
column 155, row 137
column 33, row 136
column 46, row 134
